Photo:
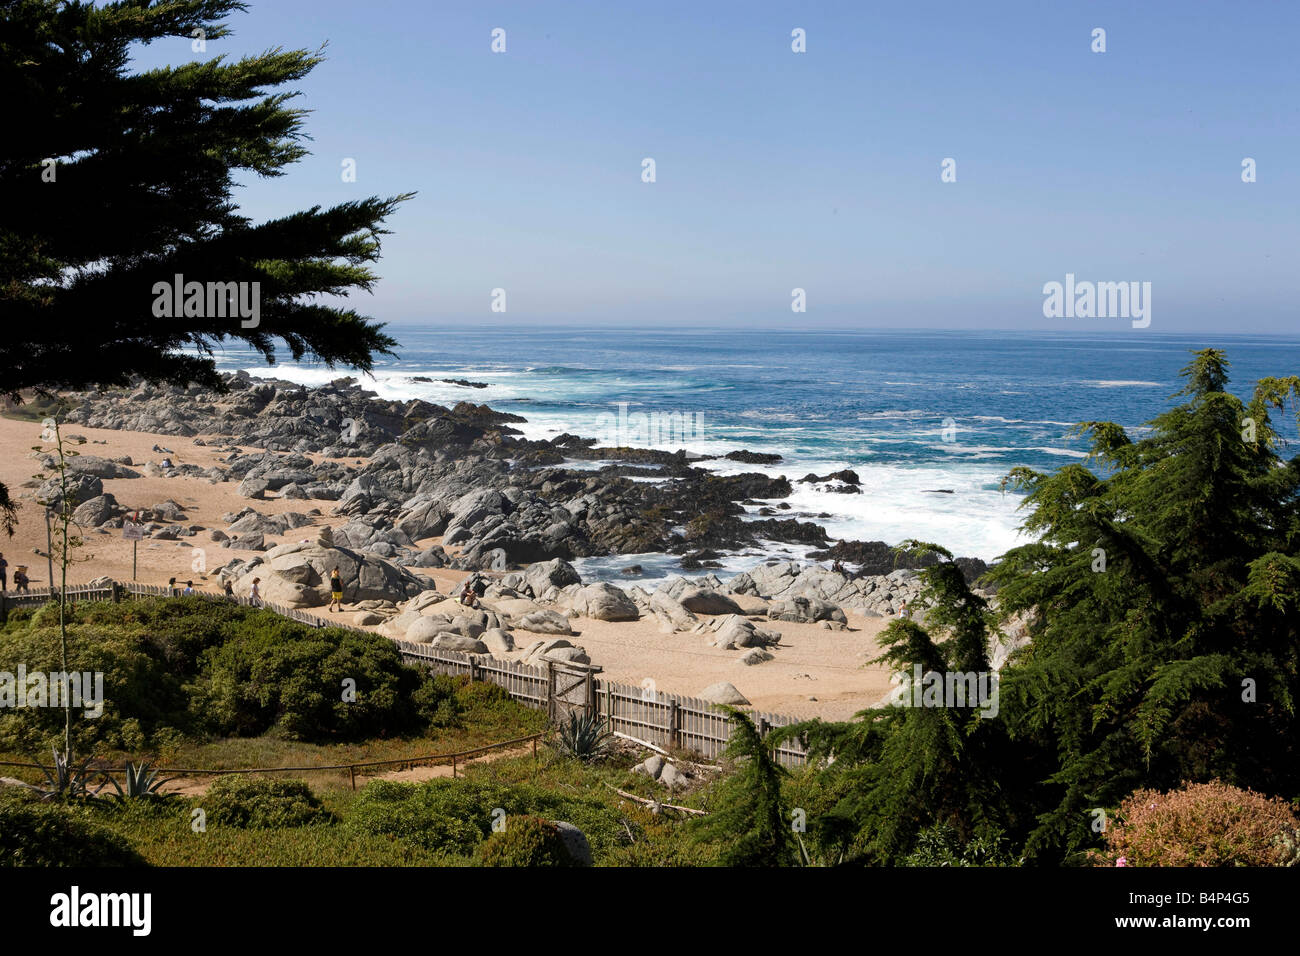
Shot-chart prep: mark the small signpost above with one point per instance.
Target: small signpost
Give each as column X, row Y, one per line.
column 133, row 532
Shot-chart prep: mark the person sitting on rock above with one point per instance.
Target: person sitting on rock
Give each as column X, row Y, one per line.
column 468, row 596
column 336, row 590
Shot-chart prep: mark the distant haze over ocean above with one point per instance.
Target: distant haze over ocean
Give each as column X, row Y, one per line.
column 914, row 413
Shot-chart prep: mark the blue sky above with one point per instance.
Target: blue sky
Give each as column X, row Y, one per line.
column 818, row 170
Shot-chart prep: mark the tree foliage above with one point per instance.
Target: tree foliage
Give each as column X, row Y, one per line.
column 116, row 180
column 899, row 771
column 1163, row 596
column 750, row 816
column 1161, row 600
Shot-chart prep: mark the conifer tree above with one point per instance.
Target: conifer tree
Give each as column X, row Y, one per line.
column 113, row 181
column 1164, row 597
column 751, row 818
column 900, row 770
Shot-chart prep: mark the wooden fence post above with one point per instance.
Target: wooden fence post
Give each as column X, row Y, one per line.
column 550, row 690
column 673, row 718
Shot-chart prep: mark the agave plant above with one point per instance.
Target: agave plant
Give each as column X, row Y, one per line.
column 67, row 778
column 584, row 736
column 141, row 784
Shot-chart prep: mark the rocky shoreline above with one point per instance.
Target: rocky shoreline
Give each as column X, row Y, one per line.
column 401, row 472
column 411, row 499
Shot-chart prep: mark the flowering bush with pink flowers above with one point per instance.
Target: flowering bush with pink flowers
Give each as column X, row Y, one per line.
column 1202, row 824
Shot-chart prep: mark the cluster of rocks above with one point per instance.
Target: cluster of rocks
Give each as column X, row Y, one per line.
column 546, row 597
column 804, row 592
column 414, row 470
column 403, row 472
column 297, row 574
column 664, row 772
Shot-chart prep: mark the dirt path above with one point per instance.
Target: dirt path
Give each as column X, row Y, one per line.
column 196, row 787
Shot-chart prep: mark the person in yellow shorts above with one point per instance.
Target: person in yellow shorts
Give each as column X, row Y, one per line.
column 336, row 590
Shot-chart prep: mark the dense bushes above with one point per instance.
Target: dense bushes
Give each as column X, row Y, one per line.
column 199, row 668
column 56, row 834
column 1203, row 824
column 295, row 683
column 455, row 816
column 525, row 841
column 257, row 803
column 431, row 816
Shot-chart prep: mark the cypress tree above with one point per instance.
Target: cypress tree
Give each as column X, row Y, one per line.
column 751, row 816
column 114, row 181
column 1163, row 596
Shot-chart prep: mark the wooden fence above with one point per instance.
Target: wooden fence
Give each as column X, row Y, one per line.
column 670, row 721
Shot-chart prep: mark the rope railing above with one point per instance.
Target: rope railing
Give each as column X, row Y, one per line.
column 401, row 762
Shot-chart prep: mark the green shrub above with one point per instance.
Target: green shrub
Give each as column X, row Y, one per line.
column 941, row 845
column 54, row 834
column 439, row 699
column 252, row 803
column 197, row 668
column 456, row 815
column 525, row 841
column 440, row 815
column 293, row 683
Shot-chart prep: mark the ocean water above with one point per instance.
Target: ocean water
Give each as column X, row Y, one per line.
column 915, row 414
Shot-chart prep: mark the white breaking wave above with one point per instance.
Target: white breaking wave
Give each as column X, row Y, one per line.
column 1121, row 383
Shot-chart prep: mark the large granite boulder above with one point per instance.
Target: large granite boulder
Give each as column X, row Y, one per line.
column 801, row 609
column 604, row 602
column 724, row 692
column 81, row 488
column 93, row 513
column 705, row 601
column 458, row 642
column 424, row 629
column 543, row 622
column 735, row 631
column 297, row 575
column 672, row 616
column 544, row 575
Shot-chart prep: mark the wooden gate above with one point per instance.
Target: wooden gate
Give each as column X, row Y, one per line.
column 571, row 688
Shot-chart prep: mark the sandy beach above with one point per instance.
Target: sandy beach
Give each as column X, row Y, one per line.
column 815, row 672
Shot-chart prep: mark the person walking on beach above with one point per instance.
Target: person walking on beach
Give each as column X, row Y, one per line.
column 171, row 587
column 255, row 595
column 336, row 590
column 189, row 587
column 230, row 589
column 20, row 579
column 4, row 572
